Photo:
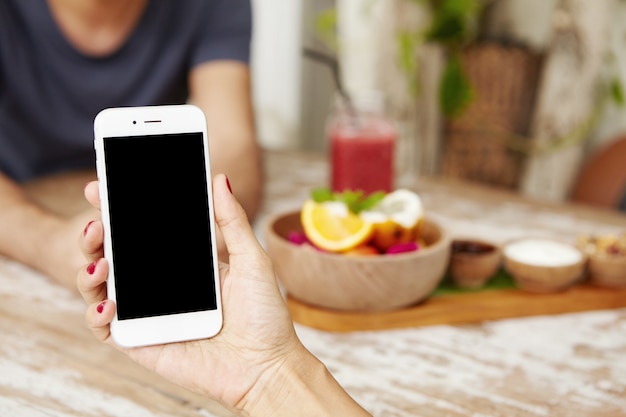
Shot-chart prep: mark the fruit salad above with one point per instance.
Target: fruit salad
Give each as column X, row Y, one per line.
column 353, row 223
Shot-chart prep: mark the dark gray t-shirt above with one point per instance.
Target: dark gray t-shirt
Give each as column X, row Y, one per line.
column 50, row 92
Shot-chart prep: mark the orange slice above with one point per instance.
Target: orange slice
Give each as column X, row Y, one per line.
column 332, row 227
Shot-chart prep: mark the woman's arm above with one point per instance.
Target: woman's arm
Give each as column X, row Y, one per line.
column 38, row 237
column 256, row 365
column 222, row 89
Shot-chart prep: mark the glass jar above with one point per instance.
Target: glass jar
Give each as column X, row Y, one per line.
column 361, row 143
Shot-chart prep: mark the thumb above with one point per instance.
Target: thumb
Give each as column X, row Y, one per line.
column 233, row 222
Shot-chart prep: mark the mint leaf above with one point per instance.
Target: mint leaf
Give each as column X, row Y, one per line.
column 350, row 198
column 355, row 200
column 322, row 194
column 371, row 200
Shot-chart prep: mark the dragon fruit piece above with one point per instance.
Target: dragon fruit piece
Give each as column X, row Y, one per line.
column 297, row 238
column 402, row 248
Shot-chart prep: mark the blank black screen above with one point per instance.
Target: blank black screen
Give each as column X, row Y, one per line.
column 160, row 230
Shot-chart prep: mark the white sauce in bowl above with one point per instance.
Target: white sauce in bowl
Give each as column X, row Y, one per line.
column 542, row 252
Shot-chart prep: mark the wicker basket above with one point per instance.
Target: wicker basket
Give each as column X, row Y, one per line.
column 477, row 143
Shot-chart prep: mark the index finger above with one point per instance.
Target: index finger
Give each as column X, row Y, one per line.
column 233, row 221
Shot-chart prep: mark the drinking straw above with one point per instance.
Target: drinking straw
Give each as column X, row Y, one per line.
column 333, row 64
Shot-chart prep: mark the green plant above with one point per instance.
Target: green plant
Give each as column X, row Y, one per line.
column 453, row 25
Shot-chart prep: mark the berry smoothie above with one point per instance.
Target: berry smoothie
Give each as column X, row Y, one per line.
column 361, row 151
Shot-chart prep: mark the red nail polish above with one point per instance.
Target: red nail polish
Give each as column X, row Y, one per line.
column 91, row 267
column 87, row 227
column 228, row 184
column 100, row 307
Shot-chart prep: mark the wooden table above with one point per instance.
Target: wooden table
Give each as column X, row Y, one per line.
column 558, row 365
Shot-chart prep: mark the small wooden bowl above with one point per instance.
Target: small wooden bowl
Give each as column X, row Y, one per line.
column 533, row 264
column 607, row 270
column 356, row 283
column 473, row 262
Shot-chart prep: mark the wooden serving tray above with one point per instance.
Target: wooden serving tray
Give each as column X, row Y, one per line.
column 462, row 307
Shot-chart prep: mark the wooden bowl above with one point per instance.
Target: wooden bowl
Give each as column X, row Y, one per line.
column 356, row 283
column 607, row 270
column 543, row 265
column 473, row 262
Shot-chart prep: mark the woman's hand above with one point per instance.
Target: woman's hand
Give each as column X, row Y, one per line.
column 258, row 333
column 256, row 365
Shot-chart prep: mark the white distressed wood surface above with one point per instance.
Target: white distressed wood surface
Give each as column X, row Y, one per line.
column 562, row 365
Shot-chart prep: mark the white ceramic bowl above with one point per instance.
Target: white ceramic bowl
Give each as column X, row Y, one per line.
column 542, row 264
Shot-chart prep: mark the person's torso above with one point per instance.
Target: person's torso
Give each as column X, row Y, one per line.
column 50, row 92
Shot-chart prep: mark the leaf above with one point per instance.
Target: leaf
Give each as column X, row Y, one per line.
column 617, row 92
column 350, row 198
column 407, row 43
column 326, row 28
column 453, row 21
column 447, row 29
column 322, row 194
column 455, row 90
column 371, row 200
column 355, row 200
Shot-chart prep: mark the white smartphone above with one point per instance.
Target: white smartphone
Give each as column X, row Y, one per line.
column 159, row 229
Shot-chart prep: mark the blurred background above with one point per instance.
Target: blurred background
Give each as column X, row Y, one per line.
column 524, row 95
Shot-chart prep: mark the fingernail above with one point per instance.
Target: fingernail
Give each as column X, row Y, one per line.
column 228, row 185
column 91, row 267
column 87, row 228
column 100, row 307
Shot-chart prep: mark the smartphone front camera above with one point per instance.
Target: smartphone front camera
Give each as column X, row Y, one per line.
column 134, row 122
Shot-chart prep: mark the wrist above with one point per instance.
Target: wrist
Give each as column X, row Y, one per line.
column 31, row 230
column 302, row 386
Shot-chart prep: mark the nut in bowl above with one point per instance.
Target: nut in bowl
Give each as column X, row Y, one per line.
column 358, row 282
column 473, row 261
column 543, row 264
column 607, row 259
